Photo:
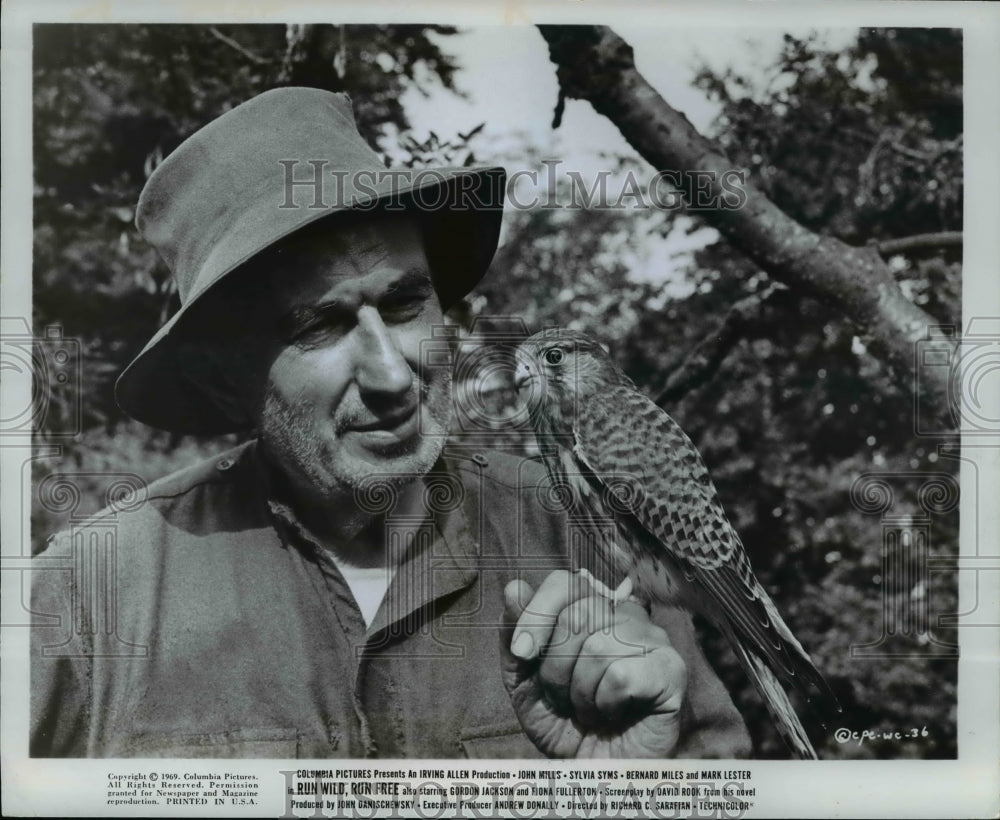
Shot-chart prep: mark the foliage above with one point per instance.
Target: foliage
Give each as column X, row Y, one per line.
column 863, row 144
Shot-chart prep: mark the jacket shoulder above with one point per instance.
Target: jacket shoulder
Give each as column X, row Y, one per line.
column 214, row 469
column 138, row 500
column 500, row 469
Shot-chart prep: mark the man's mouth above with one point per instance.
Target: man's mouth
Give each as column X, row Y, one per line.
column 396, row 424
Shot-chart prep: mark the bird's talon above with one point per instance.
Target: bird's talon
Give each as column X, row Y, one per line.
column 622, row 593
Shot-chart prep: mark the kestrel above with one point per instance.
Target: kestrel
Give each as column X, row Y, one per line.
column 625, row 460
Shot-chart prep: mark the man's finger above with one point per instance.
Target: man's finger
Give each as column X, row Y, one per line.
column 538, row 618
column 516, row 596
column 573, row 626
column 632, row 687
column 598, row 652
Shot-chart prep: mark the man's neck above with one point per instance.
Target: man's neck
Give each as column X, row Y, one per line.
column 362, row 541
column 352, row 536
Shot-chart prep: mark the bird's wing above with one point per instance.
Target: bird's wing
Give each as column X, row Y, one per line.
column 679, row 507
column 592, row 544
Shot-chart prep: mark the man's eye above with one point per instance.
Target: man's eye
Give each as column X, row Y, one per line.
column 554, row 355
column 402, row 307
column 313, row 336
column 319, row 331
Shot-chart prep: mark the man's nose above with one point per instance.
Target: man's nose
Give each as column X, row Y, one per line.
column 381, row 367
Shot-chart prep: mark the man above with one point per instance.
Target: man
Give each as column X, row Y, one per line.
column 337, row 587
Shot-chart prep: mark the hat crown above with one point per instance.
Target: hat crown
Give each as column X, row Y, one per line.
column 244, row 178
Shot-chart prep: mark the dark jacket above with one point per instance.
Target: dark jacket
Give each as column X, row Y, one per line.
column 196, row 626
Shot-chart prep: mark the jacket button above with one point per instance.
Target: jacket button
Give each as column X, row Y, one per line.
column 480, row 459
column 224, row 464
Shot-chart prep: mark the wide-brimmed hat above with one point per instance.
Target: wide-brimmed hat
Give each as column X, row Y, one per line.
column 257, row 174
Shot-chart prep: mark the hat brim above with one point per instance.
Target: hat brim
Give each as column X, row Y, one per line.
column 461, row 237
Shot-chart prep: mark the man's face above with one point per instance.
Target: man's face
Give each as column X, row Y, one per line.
column 342, row 394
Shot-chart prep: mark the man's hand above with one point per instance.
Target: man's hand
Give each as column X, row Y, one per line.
column 589, row 677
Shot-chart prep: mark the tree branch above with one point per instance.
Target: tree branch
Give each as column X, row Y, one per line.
column 919, row 242
column 595, row 64
column 297, row 36
column 229, row 41
column 701, row 363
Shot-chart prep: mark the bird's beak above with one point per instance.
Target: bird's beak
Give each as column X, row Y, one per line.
column 522, row 374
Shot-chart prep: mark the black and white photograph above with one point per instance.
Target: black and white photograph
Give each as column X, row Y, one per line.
column 500, row 414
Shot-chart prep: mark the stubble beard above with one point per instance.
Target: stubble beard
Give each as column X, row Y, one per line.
column 313, row 454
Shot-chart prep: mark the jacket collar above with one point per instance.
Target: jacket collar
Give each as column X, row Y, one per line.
column 437, row 555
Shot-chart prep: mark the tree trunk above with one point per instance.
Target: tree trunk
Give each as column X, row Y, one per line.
column 596, row 65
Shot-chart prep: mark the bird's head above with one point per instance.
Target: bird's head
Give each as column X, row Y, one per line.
column 559, row 369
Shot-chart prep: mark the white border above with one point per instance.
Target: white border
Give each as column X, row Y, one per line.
column 968, row 787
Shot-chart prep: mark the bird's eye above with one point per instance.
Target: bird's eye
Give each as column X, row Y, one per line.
column 554, row 355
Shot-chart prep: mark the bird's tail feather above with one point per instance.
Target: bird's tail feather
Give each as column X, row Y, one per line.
column 802, row 674
column 776, row 699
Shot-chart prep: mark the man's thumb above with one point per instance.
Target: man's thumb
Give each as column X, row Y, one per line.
column 516, row 596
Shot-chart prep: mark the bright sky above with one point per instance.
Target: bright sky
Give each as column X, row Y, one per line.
column 511, row 85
